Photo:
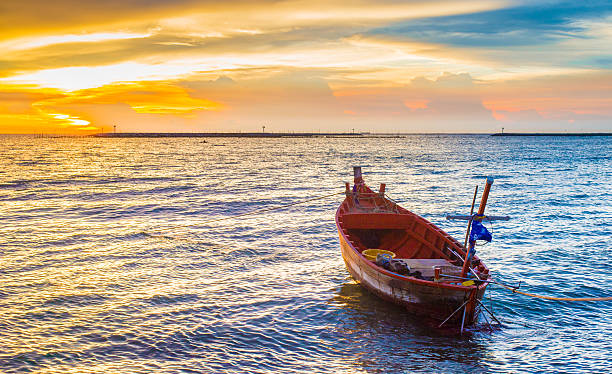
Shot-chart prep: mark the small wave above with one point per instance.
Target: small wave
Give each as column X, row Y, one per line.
column 171, row 299
column 75, row 300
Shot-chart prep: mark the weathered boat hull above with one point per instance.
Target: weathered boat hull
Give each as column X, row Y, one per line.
column 419, row 297
column 434, row 264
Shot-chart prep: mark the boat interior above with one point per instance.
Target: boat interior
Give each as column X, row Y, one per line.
column 371, row 221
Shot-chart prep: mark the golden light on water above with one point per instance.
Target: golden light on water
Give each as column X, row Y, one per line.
column 112, row 263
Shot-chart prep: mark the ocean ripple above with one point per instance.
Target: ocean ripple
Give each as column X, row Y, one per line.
column 110, row 262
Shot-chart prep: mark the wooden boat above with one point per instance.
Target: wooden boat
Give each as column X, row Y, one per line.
column 437, row 285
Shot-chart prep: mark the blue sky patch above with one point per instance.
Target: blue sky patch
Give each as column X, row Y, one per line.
column 525, row 25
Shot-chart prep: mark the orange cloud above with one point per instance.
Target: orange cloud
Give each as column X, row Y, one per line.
column 499, row 116
column 164, row 99
column 144, row 97
column 414, row 105
column 36, row 110
column 19, row 112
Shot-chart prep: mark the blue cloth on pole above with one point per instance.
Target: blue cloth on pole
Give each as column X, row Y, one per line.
column 479, row 232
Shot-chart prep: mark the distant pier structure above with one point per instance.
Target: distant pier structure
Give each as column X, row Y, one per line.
column 240, row 135
column 351, row 134
column 552, row 133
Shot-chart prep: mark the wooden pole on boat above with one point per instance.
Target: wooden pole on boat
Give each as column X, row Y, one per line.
column 481, row 209
column 467, row 232
column 485, row 196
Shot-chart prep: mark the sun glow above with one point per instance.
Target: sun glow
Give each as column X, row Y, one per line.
column 78, row 78
column 70, row 120
column 43, row 41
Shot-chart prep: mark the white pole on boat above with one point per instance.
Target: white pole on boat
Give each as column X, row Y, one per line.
column 467, row 232
column 453, row 313
column 463, row 319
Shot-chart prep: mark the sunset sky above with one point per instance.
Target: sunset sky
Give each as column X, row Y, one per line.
column 79, row 67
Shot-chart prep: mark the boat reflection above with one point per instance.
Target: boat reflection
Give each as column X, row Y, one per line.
column 383, row 336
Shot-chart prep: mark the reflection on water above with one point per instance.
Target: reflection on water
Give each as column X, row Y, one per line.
column 397, row 341
column 107, row 264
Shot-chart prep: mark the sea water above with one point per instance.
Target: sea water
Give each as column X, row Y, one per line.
column 109, row 261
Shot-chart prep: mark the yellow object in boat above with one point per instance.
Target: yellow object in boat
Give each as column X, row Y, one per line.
column 371, row 254
column 468, row 283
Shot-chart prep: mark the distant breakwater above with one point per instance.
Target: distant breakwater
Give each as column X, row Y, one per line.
column 552, row 134
column 240, row 135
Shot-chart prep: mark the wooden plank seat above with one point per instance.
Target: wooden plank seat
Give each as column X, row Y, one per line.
column 376, row 221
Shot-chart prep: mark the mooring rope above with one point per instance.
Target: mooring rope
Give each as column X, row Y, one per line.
column 514, row 290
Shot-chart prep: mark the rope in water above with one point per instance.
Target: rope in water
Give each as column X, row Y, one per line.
column 514, row 290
